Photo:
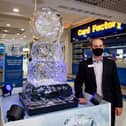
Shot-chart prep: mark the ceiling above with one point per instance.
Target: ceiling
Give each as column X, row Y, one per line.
column 74, row 12
column 116, row 5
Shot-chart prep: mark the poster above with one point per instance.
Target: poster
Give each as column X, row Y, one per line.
column 13, row 70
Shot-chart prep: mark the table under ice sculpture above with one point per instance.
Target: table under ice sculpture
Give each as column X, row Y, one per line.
column 83, row 115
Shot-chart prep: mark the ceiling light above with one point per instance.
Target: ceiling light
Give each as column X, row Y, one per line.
column 16, row 10
column 117, row 37
column 24, row 36
column 8, row 25
column 4, row 35
column 18, row 33
column 5, row 30
column 22, row 29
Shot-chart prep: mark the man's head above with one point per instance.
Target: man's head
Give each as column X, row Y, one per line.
column 97, row 46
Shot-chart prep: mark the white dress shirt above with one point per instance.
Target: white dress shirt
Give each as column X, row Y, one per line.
column 98, row 69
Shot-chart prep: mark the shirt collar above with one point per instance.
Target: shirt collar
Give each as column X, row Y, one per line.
column 98, row 60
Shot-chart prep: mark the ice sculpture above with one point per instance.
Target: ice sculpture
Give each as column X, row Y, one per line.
column 46, row 89
column 47, row 66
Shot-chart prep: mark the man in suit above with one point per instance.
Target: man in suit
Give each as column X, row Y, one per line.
column 100, row 76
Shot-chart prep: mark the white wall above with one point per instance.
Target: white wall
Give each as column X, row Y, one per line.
column 67, row 50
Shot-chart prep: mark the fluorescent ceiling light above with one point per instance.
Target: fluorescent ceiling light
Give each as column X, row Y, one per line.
column 26, row 49
column 5, row 30
column 16, row 10
column 18, row 34
column 24, row 36
column 4, row 35
column 8, row 25
column 22, row 29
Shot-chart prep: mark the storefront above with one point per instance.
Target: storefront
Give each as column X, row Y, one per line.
column 113, row 33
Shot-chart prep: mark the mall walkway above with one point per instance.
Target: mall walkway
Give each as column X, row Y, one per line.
column 121, row 121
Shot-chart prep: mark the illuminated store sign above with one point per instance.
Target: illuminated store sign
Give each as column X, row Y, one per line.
column 97, row 28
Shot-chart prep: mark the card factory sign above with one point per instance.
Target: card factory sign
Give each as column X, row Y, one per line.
column 96, row 28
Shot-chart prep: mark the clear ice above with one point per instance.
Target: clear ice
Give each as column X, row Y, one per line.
column 47, row 66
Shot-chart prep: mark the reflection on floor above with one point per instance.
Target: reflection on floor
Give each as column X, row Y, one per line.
column 121, row 121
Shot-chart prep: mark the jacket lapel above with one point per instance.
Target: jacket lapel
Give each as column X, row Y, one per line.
column 104, row 73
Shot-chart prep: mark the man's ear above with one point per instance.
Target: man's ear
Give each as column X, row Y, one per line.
column 90, row 47
column 103, row 46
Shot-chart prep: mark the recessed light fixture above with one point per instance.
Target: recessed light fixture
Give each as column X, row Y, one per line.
column 22, row 29
column 5, row 30
column 4, row 35
column 8, row 25
column 24, row 36
column 18, row 33
column 16, row 10
column 117, row 37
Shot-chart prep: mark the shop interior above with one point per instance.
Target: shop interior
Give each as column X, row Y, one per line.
column 15, row 24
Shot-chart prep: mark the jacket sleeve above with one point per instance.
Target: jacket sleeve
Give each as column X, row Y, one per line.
column 80, row 78
column 116, row 88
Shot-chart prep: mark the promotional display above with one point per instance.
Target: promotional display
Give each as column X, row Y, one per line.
column 46, row 89
column 2, row 51
column 13, row 64
column 13, row 73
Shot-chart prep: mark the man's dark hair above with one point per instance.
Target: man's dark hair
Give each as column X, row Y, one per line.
column 93, row 40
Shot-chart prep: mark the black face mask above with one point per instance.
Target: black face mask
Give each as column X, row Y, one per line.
column 97, row 51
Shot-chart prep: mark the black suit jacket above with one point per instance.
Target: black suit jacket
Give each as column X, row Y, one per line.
column 110, row 81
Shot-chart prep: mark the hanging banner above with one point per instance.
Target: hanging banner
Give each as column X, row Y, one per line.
column 13, row 70
column 2, row 51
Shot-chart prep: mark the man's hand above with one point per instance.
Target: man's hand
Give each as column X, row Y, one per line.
column 118, row 111
column 82, row 101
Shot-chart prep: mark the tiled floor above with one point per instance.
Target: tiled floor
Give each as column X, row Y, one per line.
column 121, row 121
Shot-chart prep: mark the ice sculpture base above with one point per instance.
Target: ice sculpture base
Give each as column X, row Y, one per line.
column 49, row 107
column 44, row 99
